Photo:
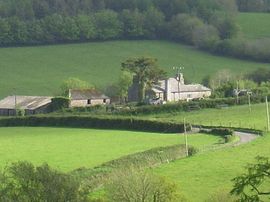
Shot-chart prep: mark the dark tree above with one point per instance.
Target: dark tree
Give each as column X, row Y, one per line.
column 145, row 71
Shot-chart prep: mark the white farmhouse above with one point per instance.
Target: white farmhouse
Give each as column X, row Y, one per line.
column 173, row 89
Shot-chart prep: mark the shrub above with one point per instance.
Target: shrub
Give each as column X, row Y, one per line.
column 59, row 103
column 96, row 122
column 133, row 185
column 22, row 181
column 222, row 131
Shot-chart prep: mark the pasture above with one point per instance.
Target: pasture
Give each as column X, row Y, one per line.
column 68, row 149
column 202, row 175
column 236, row 116
column 40, row 70
column 254, row 25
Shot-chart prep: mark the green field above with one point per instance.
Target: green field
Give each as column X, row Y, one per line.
column 254, row 25
column 206, row 173
column 236, row 116
column 200, row 176
column 40, row 70
column 68, row 149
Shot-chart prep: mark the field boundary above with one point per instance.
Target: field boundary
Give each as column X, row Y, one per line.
column 119, row 123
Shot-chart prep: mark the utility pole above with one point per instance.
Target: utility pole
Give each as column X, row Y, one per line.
column 186, row 139
column 267, row 114
column 249, row 104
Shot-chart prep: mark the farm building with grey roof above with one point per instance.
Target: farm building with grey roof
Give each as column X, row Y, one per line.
column 29, row 104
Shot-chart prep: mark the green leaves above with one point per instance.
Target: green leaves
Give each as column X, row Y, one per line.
column 252, row 186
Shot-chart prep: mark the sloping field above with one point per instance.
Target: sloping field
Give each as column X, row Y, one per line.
column 237, row 116
column 40, row 70
column 254, row 25
column 68, row 149
column 202, row 175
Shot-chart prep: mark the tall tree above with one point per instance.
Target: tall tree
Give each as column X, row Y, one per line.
column 145, row 73
column 73, row 83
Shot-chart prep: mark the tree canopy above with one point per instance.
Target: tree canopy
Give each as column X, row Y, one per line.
column 145, row 72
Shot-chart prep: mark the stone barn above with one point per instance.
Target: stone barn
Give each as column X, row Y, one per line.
column 87, row 97
column 30, row 105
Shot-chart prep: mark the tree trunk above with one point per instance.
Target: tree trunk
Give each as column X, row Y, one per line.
column 141, row 92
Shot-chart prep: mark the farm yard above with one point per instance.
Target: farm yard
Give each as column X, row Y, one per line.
column 68, row 149
column 41, row 70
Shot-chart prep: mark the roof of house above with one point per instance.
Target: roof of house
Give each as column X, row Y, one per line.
column 24, row 102
column 161, row 87
column 86, row 94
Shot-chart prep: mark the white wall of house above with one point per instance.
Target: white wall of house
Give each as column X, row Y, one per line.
column 188, row 95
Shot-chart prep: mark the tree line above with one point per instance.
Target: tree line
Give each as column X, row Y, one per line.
column 46, row 21
column 206, row 24
column 253, row 5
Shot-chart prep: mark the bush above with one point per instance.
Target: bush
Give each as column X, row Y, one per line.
column 96, row 122
column 133, row 185
column 22, row 181
column 222, row 131
column 59, row 103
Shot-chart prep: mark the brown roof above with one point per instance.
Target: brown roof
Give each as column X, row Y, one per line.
column 86, row 94
column 24, row 102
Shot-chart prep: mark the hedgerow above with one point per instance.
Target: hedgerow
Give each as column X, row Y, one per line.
column 121, row 123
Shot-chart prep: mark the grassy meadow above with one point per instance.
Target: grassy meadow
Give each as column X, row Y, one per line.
column 254, row 25
column 235, row 116
column 68, row 149
column 40, row 70
column 204, row 174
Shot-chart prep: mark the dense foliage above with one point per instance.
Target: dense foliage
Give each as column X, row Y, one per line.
column 254, row 5
column 97, row 122
column 46, row 21
column 22, row 181
column 59, row 103
column 207, row 24
column 133, row 185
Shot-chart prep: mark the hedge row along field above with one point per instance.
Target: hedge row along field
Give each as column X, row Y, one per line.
column 167, row 108
column 146, row 159
column 96, row 122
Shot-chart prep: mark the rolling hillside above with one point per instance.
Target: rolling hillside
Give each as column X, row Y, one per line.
column 254, row 25
column 40, row 70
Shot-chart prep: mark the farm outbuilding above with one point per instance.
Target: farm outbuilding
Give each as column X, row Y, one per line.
column 28, row 104
column 87, row 97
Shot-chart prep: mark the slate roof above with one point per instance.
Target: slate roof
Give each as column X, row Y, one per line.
column 24, row 102
column 183, row 87
column 86, row 94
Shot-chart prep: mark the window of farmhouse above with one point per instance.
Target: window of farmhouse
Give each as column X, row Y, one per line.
column 88, row 102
